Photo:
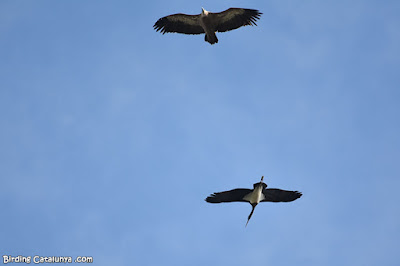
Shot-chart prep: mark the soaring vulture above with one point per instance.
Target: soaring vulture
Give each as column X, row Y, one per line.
column 208, row 22
column 254, row 196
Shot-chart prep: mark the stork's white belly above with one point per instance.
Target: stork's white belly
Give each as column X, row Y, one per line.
column 256, row 196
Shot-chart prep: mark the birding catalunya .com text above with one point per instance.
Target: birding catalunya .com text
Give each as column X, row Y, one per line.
column 42, row 259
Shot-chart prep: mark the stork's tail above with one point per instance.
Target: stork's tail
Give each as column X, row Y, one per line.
column 252, row 210
column 212, row 38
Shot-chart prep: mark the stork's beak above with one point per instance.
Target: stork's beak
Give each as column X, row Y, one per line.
column 262, row 178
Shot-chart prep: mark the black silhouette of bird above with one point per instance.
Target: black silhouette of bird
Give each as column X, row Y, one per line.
column 208, row 22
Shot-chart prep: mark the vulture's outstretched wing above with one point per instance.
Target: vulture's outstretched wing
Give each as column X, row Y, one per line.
column 279, row 195
column 229, row 196
column 180, row 23
column 234, row 18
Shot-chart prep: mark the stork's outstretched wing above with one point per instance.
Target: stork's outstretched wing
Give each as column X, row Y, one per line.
column 279, row 195
column 180, row 23
column 229, row 196
column 234, row 18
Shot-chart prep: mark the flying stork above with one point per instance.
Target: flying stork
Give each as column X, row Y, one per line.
column 259, row 193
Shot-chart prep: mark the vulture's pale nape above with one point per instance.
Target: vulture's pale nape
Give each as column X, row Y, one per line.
column 259, row 193
column 208, row 22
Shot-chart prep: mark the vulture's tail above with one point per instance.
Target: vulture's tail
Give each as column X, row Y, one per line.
column 212, row 38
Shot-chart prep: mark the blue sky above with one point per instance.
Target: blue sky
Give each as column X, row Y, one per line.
column 112, row 135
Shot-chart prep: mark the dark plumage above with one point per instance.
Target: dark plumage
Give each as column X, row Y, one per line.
column 260, row 193
column 208, row 22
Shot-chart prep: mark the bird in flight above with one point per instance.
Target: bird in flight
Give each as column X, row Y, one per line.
column 260, row 193
column 208, row 22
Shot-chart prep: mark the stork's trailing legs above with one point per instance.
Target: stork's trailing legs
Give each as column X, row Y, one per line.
column 252, row 210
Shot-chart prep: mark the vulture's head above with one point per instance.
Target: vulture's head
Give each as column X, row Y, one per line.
column 204, row 12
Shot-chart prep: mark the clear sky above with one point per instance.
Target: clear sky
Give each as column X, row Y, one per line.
column 112, row 134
